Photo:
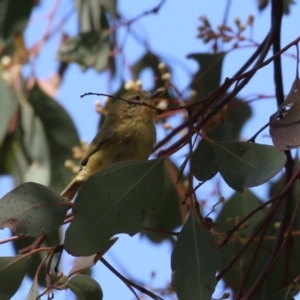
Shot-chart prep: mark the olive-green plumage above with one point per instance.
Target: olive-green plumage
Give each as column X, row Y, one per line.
column 128, row 133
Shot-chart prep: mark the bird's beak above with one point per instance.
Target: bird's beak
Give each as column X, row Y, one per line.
column 155, row 94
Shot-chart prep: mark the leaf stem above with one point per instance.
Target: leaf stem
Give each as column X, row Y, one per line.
column 129, row 283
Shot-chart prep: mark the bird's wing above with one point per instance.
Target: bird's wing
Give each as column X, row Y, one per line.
column 100, row 140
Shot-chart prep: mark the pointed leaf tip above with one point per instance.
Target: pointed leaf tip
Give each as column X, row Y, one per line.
column 119, row 198
column 243, row 164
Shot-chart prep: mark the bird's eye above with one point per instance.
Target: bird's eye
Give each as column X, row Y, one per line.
column 137, row 97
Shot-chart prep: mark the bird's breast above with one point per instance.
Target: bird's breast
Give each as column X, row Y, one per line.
column 138, row 139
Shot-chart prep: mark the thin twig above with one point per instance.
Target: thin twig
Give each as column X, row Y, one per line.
column 267, row 219
column 252, row 263
column 35, row 245
column 221, row 90
column 10, row 239
column 252, row 139
column 280, row 195
column 128, row 282
column 159, row 111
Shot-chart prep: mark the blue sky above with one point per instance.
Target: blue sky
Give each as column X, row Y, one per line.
column 172, row 34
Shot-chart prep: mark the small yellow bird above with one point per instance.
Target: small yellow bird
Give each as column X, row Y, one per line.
column 128, row 133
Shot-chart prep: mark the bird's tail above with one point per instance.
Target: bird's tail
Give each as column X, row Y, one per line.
column 71, row 190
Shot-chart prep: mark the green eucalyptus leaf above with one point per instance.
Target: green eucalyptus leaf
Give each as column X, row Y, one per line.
column 83, row 262
column 12, row 272
column 8, row 105
column 85, row 287
column 31, row 152
column 61, row 135
column 286, row 269
column 204, row 160
column 169, row 217
column 238, row 206
column 194, row 262
column 8, row 110
column 32, row 210
column 239, row 113
column 208, row 78
column 119, row 198
column 88, row 49
column 244, row 164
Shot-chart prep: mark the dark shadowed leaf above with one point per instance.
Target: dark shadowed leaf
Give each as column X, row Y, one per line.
column 12, row 271
column 283, row 272
column 32, row 210
column 246, row 165
column 84, row 262
column 204, row 158
column 285, row 123
column 14, row 16
column 85, row 287
column 235, row 114
column 239, row 113
column 282, row 295
column 60, row 132
column 8, row 105
column 7, row 155
column 207, row 79
column 8, row 114
column 194, row 262
column 286, row 268
column 150, row 61
column 235, row 275
column 119, row 198
column 237, row 207
column 172, row 214
column 88, row 49
column 204, row 161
